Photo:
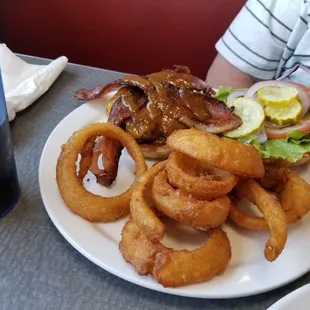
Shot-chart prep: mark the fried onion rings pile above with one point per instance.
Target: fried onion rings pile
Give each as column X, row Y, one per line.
column 199, row 185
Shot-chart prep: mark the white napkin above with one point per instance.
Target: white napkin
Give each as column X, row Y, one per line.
column 24, row 83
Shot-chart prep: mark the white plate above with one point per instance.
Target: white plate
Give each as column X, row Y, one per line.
column 248, row 272
column 297, row 300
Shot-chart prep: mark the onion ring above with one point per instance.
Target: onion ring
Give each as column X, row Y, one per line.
column 140, row 211
column 294, row 197
column 176, row 204
column 173, row 268
column 245, row 221
column 226, row 154
column 137, row 249
column 273, row 213
column 85, row 204
column 179, row 170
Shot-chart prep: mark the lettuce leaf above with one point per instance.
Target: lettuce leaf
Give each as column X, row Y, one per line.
column 291, row 149
column 223, row 93
column 251, row 140
column 296, row 135
column 281, row 148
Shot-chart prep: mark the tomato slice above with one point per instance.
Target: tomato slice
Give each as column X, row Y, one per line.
column 274, row 133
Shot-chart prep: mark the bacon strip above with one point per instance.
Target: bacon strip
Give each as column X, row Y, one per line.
column 101, row 91
column 111, row 149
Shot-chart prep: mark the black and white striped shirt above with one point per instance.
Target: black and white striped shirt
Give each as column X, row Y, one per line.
column 268, row 37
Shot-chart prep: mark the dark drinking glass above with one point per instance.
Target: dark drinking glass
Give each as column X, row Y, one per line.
column 9, row 187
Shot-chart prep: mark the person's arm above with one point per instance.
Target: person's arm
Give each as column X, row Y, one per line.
column 255, row 44
column 223, row 73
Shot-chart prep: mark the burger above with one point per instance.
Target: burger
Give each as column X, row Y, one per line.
column 270, row 115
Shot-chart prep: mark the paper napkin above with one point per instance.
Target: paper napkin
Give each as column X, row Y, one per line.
column 24, row 83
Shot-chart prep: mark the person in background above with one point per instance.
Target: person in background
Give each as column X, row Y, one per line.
column 266, row 40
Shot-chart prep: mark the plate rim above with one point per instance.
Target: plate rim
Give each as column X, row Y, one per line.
column 291, row 296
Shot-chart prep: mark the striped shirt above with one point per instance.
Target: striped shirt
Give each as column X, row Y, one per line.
column 268, row 38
